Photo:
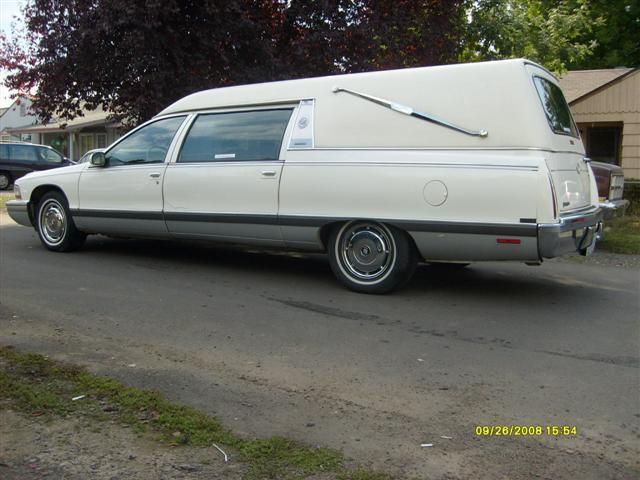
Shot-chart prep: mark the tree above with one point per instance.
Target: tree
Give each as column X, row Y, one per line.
column 617, row 36
column 560, row 34
column 134, row 57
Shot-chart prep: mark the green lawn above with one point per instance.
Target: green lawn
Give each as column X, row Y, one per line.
column 622, row 235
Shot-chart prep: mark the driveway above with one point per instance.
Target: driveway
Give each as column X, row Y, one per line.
column 272, row 345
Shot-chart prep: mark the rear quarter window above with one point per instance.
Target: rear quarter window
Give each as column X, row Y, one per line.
column 555, row 107
column 236, row 136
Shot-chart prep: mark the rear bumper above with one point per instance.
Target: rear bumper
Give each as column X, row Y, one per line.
column 18, row 210
column 573, row 233
column 612, row 209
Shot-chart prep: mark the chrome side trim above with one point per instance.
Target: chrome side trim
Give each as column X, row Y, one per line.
column 409, row 111
column 439, row 149
column 409, row 164
column 18, row 210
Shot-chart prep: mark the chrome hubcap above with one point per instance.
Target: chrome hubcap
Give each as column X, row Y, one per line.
column 53, row 223
column 4, row 181
column 366, row 251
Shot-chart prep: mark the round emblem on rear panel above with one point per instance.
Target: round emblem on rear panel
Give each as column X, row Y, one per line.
column 303, row 122
column 435, row 193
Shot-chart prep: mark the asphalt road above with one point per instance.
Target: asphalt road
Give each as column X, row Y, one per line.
column 272, row 345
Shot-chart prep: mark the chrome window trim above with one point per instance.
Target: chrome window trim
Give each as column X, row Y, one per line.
column 131, row 132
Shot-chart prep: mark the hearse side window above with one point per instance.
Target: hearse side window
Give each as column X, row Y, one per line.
column 238, row 136
column 147, row 145
column 555, row 107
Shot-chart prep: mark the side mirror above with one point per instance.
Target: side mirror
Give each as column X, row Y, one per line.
column 98, row 159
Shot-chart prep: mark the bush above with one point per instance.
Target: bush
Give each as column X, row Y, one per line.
column 632, row 193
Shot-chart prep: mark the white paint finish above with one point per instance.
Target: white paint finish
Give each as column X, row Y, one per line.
column 435, row 193
column 312, row 185
column 496, row 96
column 222, row 187
column 125, row 188
column 572, row 179
column 65, row 178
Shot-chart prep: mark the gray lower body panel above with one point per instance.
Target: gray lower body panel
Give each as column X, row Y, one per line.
column 18, row 210
column 473, row 247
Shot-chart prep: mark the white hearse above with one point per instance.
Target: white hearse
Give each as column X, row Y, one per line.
column 448, row 164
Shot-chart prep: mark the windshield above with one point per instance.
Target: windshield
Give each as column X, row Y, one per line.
column 555, row 107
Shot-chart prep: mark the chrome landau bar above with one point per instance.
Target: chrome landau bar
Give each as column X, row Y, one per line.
column 412, row 113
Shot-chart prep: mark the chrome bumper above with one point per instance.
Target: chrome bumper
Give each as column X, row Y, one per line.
column 615, row 208
column 18, row 210
column 573, row 233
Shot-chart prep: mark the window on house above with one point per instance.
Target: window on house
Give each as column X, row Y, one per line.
column 101, row 140
column 237, row 136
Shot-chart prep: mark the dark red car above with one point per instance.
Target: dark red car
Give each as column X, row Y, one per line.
column 610, row 181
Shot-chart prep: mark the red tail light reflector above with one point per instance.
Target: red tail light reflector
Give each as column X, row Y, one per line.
column 509, row 241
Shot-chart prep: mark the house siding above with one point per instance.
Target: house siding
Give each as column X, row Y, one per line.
column 619, row 102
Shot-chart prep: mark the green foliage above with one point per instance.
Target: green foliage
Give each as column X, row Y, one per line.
column 622, row 235
column 560, row 34
column 553, row 33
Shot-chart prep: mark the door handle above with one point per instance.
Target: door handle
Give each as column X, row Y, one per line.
column 154, row 175
column 268, row 173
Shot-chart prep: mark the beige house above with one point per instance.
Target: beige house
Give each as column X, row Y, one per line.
column 73, row 138
column 606, row 107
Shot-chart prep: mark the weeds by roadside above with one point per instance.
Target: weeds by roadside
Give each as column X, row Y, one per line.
column 4, row 199
column 36, row 385
column 622, row 235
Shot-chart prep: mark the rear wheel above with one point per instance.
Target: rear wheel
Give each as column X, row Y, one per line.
column 55, row 226
column 370, row 257
column 5, row 180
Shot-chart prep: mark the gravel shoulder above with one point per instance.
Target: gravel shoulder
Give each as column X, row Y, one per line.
column 40, row 448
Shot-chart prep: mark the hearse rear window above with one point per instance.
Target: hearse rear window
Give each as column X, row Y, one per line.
column 555, row 107
column 237, row 136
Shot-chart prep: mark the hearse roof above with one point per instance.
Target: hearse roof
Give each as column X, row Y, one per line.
column 498, row 97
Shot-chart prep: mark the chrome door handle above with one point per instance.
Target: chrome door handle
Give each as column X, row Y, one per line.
column 269, row 173
column 154, row 175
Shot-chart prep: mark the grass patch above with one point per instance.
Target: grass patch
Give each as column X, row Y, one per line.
column 4, row 199
column 622, row 235
column 37, row 385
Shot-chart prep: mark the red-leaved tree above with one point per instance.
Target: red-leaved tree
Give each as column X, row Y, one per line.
column 134, row 57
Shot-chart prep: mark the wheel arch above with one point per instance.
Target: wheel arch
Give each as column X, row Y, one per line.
column 325, row 232
column 37, row 194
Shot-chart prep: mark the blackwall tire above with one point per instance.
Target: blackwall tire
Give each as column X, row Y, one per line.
column 5, row 180
column 55, row 226
column 370, row 257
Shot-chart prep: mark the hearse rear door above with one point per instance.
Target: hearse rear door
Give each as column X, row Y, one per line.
column 223, row 183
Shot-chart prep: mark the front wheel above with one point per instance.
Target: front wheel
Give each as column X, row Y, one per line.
column 370, row 257
column 55, row 226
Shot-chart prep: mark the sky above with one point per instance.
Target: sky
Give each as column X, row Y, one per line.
column 8, row 10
